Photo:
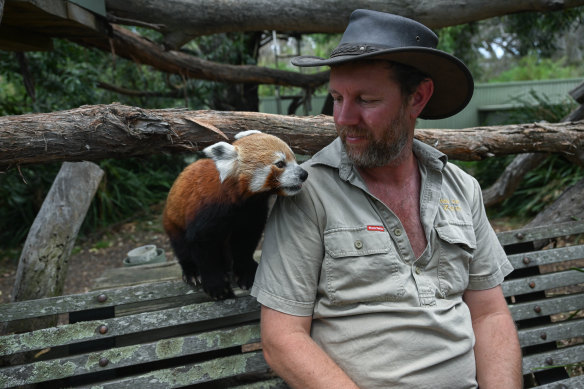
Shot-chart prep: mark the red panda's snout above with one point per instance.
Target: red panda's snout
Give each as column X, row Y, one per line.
column 290, row 181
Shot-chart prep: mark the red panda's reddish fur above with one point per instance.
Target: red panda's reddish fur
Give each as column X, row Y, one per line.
column 198, row 185
column 205, row 216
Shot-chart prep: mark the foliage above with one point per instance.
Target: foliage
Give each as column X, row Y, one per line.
column 128, row 187
column 531, row 67
column 541, row 186
column 458, row 40
column 537, row 32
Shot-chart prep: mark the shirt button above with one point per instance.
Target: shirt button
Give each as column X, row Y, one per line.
column 418, row 270
column 397, row 232
column 358, row 244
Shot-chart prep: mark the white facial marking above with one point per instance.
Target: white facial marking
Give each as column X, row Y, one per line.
column 259, row 178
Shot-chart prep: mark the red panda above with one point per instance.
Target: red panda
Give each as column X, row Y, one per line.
column 217, row 208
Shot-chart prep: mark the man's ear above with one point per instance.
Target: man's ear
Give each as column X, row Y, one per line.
column 225, row 157
column 421, row 96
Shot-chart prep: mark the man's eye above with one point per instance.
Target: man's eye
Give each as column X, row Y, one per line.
column 280, row 164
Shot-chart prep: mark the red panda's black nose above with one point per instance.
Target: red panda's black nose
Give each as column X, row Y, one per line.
column 303, row 175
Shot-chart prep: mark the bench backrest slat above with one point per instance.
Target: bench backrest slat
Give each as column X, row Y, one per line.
column 195, row 373
column 546, row 307
column 551, row 332
column 128, row 356
column 90, row 300
column 570, row 383
column 560, row 357
column 546, row 257
column 542, row 282
column 541, row 232
column 89, row 330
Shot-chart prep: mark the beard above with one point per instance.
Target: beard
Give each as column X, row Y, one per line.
column 378, row 152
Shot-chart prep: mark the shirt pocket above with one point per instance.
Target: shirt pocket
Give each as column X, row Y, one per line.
column 457, row 243
column 361, row 266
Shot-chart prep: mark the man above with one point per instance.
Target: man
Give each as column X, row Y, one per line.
column 384, row 271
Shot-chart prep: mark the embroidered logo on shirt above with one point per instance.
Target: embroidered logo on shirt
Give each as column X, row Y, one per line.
column 375, row 228
column 450, row 205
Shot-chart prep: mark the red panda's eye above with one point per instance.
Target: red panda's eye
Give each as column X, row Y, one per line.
column 280, row 164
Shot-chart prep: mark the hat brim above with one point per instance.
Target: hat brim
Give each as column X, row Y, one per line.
column 453, row 83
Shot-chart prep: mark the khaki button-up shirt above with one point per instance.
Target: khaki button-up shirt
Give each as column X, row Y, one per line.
column 337, row 253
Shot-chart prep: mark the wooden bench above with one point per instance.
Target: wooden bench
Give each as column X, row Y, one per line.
column 166, row 335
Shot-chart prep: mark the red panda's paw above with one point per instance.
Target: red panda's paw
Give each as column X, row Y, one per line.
column 244, row 275
column 217, row 286
column 194, row 281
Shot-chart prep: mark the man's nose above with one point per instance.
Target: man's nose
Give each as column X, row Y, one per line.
column 346, row 114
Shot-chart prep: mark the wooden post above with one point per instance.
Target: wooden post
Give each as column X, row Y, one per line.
column 44, row 259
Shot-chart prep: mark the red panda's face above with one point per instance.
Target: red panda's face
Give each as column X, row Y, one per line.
column 264, row 162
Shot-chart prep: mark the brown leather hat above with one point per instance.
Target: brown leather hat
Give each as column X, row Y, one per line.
column 379, row 35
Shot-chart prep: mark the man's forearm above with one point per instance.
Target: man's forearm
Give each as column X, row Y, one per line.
column 497, row 352
column 294, row 356
column 305, row 365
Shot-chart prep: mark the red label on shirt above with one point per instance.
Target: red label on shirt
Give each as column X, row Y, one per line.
column 375, row 228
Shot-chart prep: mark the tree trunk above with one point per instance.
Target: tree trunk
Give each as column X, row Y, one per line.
column 511, row 177
column 44, row 259
column 185, row 19
column 568, row 207
column 117, row 131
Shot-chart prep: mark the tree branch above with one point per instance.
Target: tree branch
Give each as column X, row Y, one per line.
column 118, row 131
column 186, row 19
column 136, row 48
column 137, row 93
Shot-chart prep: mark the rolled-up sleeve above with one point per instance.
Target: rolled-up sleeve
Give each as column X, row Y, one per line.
column 292, row 253
column 489, row 265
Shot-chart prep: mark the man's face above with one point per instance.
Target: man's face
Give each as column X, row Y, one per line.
column 369, row 113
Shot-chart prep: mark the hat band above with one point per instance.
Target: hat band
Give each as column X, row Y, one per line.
column 353, row 49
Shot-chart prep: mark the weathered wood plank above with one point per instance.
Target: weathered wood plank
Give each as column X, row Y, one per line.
column 546, row 307
column 195, row 373
column 274, row 383
column 128, row 356
column 91, row 300
column 549, row 359
column 551, row 332
column 542, row 282
column 154, row 294
column 541, row 232
column 546, row 257
column 574, row 382
column 246, row 307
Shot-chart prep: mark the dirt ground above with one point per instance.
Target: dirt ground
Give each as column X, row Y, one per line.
column 96, row 253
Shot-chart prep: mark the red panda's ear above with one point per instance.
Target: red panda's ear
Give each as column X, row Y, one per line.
column 242, row 134
column 225, row 157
